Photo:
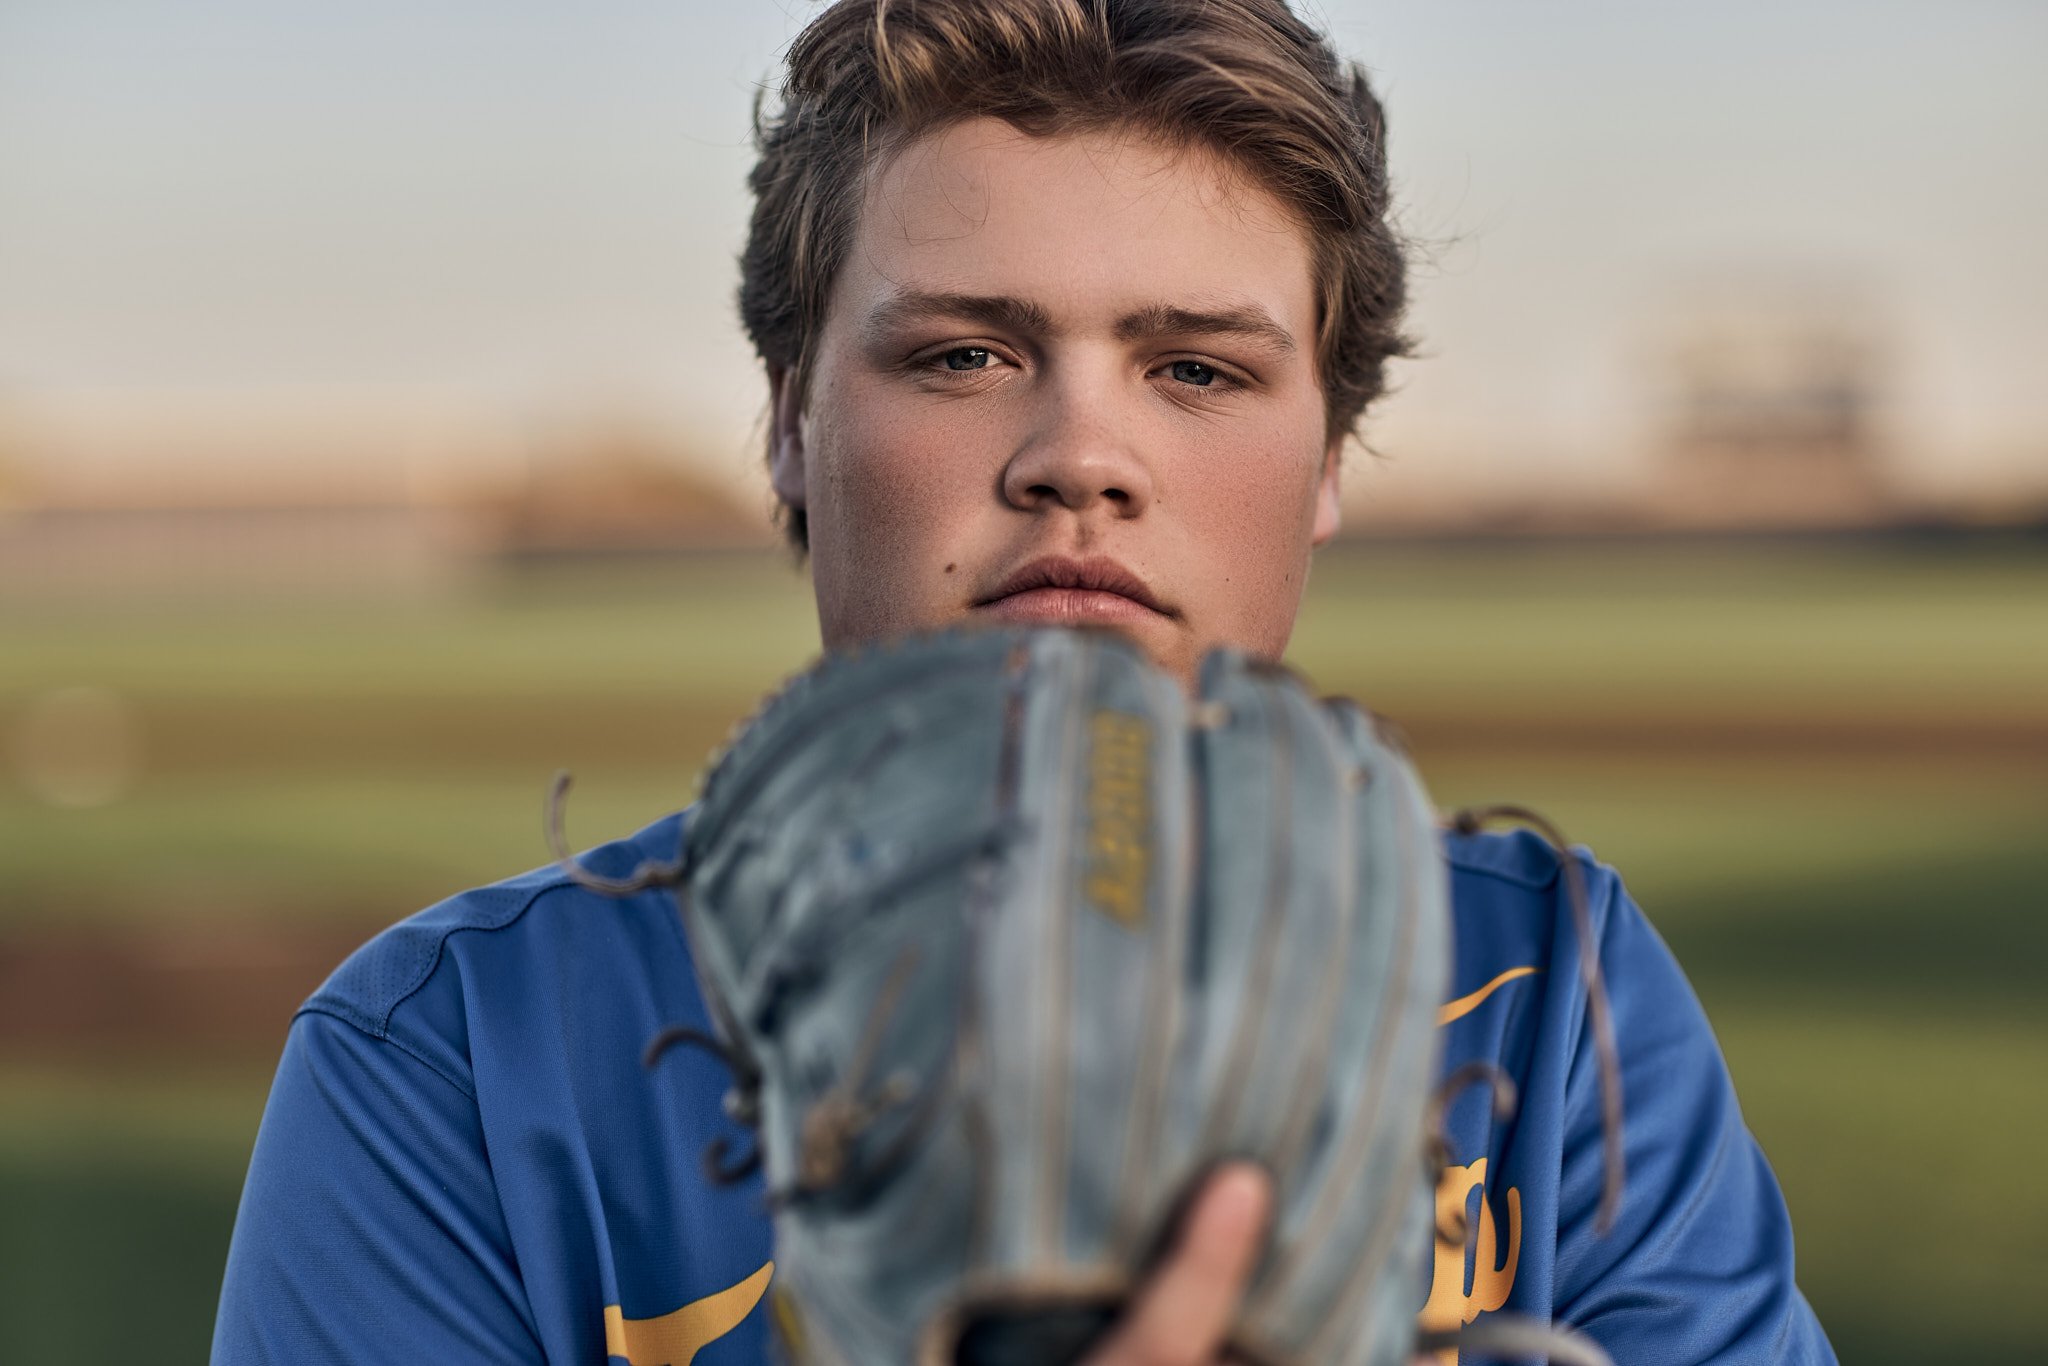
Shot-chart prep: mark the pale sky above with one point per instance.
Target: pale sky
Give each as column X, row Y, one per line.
column 532, row 210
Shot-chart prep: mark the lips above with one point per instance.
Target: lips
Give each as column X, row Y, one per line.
column 1056, row 589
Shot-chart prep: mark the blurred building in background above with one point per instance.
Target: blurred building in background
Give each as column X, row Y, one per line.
column 1772, row 416
column 611, row 490
column 187, row 525
column 67, row 549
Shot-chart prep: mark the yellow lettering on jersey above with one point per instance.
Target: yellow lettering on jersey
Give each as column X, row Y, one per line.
column 674, row 1339
column 1450, row 1302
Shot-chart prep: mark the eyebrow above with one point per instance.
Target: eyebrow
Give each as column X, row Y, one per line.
column 995, row 310
column 1020, row 315
column 1167, row 320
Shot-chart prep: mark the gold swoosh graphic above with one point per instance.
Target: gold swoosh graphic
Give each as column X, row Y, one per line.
column 1465, row 1005
column 673, row 1339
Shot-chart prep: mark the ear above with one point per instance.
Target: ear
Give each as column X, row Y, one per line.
column 1328, row 513
column 786, row 439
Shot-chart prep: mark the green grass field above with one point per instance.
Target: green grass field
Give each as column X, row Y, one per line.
column 1823, row 773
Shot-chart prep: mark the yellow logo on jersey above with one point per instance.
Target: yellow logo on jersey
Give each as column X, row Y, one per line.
column 674, row 1339
column 1450, row 1303
column 1453, row 1011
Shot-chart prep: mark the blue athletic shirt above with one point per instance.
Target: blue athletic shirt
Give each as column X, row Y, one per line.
column 463, row 1160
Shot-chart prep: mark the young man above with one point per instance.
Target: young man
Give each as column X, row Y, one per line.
column 1067, row 307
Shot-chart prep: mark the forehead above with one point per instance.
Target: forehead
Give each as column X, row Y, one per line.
column 1085, row 226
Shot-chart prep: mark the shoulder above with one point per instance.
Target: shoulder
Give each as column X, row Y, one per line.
column 420, row 983
column 462, row 1113
column 1517, row 871
column 1699, row 1263
column 1521, row 971
column 1511, row 909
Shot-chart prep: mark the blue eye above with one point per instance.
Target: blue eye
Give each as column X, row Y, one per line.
column 967, row 358
column 1193, row 372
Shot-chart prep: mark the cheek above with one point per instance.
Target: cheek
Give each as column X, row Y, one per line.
column 1250, row 523
column 891, row 479
column 893, row 497
column 1259, row 502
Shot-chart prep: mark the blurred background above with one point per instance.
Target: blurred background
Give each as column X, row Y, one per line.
column 376, row 438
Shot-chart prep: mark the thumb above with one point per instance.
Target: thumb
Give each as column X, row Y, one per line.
column 1182, row 1315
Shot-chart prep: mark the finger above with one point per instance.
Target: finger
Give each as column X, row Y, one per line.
column 1182, row 1314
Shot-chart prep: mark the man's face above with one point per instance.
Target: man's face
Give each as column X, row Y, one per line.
column 1064, row 380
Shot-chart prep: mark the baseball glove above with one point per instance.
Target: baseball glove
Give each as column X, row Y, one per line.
column 1008, row 941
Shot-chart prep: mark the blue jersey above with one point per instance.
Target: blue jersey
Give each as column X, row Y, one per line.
column 463, row 1159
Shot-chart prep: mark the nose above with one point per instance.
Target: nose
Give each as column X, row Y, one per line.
column 1081, row 454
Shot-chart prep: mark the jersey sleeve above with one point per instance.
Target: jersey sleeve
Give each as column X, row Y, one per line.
column 1698, row 1266
column 369, row 1228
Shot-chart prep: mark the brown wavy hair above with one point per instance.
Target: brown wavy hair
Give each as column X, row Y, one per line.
column 1246, row 78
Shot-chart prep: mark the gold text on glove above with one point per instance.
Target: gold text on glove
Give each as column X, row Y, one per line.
column 1119, row 814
